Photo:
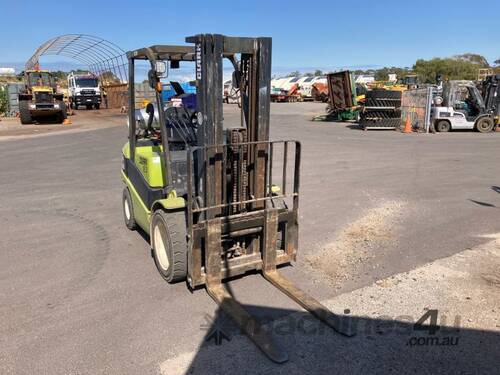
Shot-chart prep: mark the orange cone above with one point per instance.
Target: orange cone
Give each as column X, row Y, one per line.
column 407, row 125
column 67, row 122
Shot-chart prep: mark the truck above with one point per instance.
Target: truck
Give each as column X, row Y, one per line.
column 84, row 90
column 39, row 98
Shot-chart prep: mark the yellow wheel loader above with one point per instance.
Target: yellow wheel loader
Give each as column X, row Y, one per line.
column 40, row 99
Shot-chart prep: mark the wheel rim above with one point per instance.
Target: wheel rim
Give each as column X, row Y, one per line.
column 127, row 209
column 161, row 252
column 484, row 126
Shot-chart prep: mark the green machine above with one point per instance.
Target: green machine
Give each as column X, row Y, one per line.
column 217, row 200
column 343, row 102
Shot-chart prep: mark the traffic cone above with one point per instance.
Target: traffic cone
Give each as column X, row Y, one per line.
column 67, row 122
column 407, row 125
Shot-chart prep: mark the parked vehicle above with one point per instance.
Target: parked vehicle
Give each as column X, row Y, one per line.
column 39, row 98
column 204, row 192
column 461, row 106
column 84, row 90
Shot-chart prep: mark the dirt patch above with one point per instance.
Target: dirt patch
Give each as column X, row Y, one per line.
column 358, row 241
column 82, row 120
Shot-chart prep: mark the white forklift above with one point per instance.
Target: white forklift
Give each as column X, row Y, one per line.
column 461, row 106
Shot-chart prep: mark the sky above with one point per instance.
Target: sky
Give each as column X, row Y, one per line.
column 306, row 34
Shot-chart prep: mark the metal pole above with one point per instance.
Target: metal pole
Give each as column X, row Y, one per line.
column 131, row 108
column 428, row 106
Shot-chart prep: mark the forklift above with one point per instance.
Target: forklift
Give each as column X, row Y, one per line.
column 461, row 106
column 204, row 192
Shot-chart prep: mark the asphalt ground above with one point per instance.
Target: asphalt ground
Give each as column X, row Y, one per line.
column 80, row 293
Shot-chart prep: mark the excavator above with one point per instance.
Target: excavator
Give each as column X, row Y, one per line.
column 217, row 199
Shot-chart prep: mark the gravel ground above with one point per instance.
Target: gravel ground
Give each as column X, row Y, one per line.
column 461, row 291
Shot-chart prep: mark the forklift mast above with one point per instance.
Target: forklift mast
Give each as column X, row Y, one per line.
column 251, row 59
column 491, row 93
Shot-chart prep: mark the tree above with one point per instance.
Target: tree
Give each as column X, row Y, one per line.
column 109, row 78
column 474, row 58
column 318, row 72
column 294, row 74
column 497, row 62
column 3, row 99
column 450, row 68
column 382, row 74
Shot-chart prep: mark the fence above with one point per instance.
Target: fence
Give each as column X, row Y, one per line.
column 416, row 106
column 9, row 99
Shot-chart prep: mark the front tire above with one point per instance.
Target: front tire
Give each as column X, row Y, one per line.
column 443, row 126
column 485, row 125
column 169, row 245
column 128, row 210
column 24, row 112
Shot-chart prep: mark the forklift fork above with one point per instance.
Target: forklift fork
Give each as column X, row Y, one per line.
column 228, row 304
column 235, row 310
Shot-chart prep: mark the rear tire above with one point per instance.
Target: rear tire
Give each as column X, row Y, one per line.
column 89, row 106
column 128, row 210
column 169, row 245
column 97, row 106
column 24, row 112
column 485, row 125
column 443, row 126
column 63, row 115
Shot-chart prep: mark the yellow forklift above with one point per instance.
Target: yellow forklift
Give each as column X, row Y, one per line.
column 217, row 200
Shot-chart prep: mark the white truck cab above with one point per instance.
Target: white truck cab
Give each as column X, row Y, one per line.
column 84, row 90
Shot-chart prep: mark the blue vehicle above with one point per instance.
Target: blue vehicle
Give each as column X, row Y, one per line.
column 176, row 88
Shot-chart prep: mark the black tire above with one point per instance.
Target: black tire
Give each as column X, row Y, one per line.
column 24, row 112
column 89, row 106
column 443, row 126
column 383, row 94
column 128, row 210
column 97, row 106
column 383, row 98
column 63, row 115
column 169, row 245
column 485, row 125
